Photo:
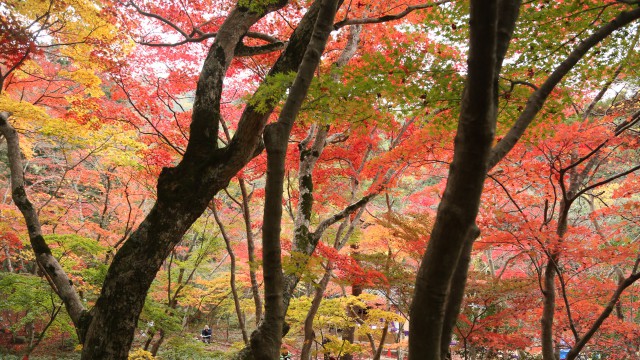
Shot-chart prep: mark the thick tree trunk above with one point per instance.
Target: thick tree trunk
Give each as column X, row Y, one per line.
column 266, row 340
column 183, row 193
column 432, row 278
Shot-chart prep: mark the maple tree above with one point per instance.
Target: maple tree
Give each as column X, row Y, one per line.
column 378, row 121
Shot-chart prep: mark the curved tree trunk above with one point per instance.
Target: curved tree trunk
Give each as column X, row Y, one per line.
column 45, row 261
column 266, row 340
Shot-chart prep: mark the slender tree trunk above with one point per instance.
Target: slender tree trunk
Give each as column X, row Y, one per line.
column 7, row 260
column 232, row 277
column 551, row 270
column 251, row 251
column 149, row 340
column 349, row 333
column 45, row 261
column 548, row 310
column 156, row 345
column 305, row 241
column 266, row 340
column 309, row 334
column 385, row 331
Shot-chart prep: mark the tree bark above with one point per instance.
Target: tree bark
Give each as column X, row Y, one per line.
column 251, row 251
column 156, row 345
column 183, row 194
column 45, row 261
column 305, row 241
column 232, row 277
column 385, row 331
column 459, row 206
column 266, row 340
column 537, row 99
column 309, row 334
column 350, row 332
column 456, row 292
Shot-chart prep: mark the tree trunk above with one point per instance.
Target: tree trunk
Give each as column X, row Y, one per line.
column 309, row 334
column 549, row 302
column 45, row 261
column 156, row 345
column 349, row 333
column 232, row 275
column 251, row 252
column 305, row 241
column 548, row 310
column 459, row 206
column 185, row 191
column 385, row 331
column 456, row 294
column 266, row 340
column 7, row 259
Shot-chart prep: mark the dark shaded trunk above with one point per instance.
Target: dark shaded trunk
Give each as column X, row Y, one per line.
column 439, row 282
column 265, row 341
column 149, row 340
column 551, row 271
column 156, row 345
column 185, row 191
column 548, row 310
column 459, row 206
column 456, row 293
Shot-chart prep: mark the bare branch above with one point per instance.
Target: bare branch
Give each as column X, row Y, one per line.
column 45, row 260
column 385, row 18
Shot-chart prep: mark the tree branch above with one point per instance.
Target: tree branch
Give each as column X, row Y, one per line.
column 385, row 18
column 46, row 261
column 537, row 99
